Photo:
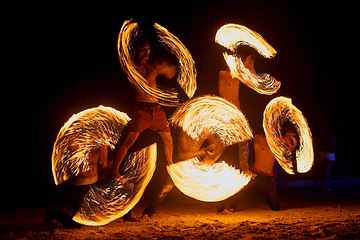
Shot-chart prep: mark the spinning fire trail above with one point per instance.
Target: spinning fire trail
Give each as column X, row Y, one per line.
column 187, row 72
column 278, row 111
column 81, row 135
column 231, row 36
column 202, row 116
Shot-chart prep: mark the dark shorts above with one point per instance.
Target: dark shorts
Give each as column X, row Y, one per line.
column 149, row 115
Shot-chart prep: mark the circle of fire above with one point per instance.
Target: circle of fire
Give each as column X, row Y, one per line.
column 232, row 35
column 187, row 71
column 80, row 135
column 278, row 111
column 199, row 117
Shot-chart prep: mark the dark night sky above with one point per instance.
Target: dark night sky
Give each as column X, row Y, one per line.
column 64, row 60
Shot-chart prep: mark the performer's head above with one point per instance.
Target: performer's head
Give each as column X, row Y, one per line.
column 141, row 49
column 247, row 55
column 290, row 136
column 166, row 63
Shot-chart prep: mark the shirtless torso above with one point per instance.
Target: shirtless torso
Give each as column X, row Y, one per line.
column 264, row 158
column 229, row 87
column 100, row 164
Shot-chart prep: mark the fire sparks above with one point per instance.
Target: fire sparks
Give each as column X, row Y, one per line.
column 187, row 72
column 231, row 36
column 78, row 138
column 278, row 111
column 105, row 203
column 198, row 118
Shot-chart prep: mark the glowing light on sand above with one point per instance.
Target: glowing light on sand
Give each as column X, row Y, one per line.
column 276, row 113
column 82, row 134
column 208, row 183
column 187, row 71
column 105, row 203
column 232, row 35
column 199, row 117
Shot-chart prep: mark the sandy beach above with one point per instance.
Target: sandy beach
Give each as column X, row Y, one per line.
column 305, row 214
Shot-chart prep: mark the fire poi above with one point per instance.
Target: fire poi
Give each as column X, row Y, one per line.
column 187, row 72
column 278, row 111
column 78, row 138
column 203, row 116
column 231, row 36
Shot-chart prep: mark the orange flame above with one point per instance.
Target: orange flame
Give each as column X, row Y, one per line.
column 83, row 132
column 199, row 117
column 276, row 113
column 211, row 114
column 80, row 135
column 187, row 71
column 233, row 35
column 208, row 183
column 105, row 203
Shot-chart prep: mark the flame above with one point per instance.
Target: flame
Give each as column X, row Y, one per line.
column 208, row 183
column 211, row 114
column 278, row 111
column 232, row 35
column 199, row 117
column 187, row 72
column 105, row 203
column 80, row 135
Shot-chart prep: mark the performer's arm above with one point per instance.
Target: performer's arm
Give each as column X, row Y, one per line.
column 184, row 152
column 243, row 158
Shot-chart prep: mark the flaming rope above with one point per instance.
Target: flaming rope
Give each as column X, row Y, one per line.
column 187, row 72
column 199, row 117
column 82, row 134
column 231, row 36
column 278, row 111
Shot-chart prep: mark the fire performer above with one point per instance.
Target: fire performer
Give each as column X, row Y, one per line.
column 187, row 148
column 229, row 89
column 263, row 168
column 148, row 113
column 100, row 163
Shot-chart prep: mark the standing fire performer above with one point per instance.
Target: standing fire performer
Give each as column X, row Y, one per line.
column 229, row 89
column 263, row 168
column 148, row 113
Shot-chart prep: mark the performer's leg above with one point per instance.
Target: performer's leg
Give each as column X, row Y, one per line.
column 159, row 196
column 168, row 146
column 240, row 195
column 269, row 188
column 123, row 149
column 64, row 218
